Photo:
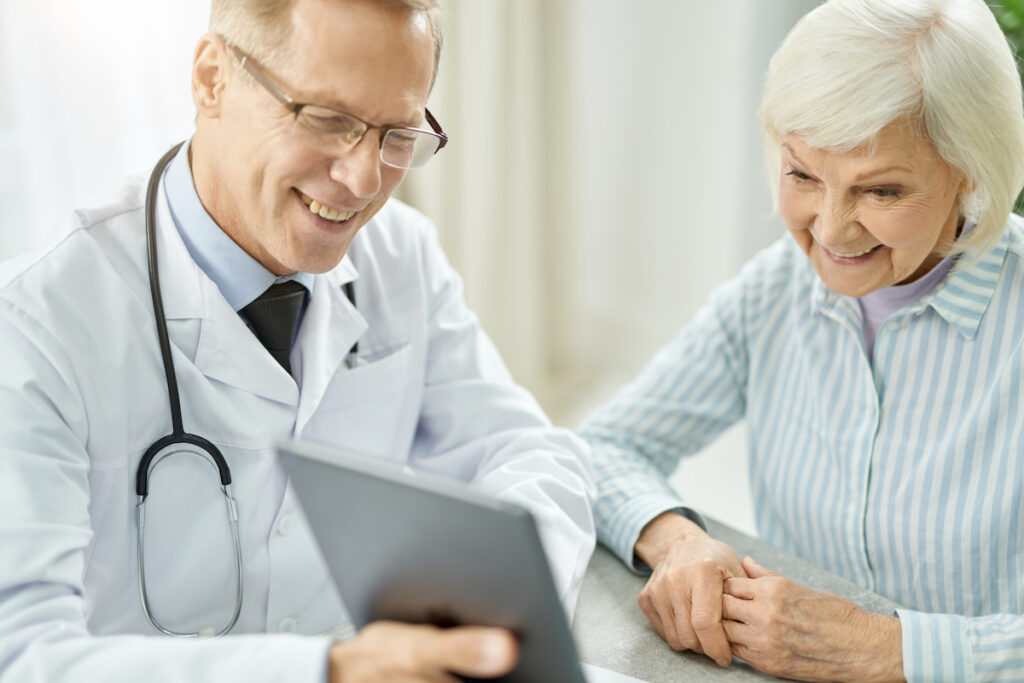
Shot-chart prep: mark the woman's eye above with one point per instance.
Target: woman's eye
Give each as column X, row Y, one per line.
column 799, row 175
column 885, row 192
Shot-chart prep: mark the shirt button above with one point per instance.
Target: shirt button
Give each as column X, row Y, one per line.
column 287, row 625
column 284, row 525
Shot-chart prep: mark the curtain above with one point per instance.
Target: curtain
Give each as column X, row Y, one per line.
column 604, row 174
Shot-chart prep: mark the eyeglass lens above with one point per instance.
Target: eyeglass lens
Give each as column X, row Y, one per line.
column 401, row 147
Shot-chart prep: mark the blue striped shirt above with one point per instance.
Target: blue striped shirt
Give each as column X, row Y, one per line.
column 905, row 476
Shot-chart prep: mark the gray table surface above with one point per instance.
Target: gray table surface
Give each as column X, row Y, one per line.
column 612, row 632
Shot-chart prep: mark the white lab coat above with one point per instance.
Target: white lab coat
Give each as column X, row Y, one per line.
column 82, row 395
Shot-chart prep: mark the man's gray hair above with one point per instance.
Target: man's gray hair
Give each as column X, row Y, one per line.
column 261, row 27
column 851, row 67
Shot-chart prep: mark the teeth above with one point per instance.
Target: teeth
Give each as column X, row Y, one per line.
column 859, row 253
column 326, row 212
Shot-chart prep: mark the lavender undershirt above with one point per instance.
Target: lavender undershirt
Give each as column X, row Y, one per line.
column 879, row 305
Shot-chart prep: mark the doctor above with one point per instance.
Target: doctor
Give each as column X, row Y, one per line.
column 309, row 112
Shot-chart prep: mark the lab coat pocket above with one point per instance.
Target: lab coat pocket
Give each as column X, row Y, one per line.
column 372, row 406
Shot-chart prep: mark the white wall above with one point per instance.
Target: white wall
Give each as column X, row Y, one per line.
column 93, row 91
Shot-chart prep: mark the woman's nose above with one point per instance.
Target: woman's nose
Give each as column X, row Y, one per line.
column 836, row 221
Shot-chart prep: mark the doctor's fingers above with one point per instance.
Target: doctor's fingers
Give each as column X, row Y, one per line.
column 395, row 651
column 477, row 651
column 422, row 677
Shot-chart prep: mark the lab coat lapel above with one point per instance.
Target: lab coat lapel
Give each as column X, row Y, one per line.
column 330, row 327
column 225, row 350
column 228, row 351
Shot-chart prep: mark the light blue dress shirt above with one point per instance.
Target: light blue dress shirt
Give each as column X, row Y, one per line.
column 239, row 276
column 905, row 476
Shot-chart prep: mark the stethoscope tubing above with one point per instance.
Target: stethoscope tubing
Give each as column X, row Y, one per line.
column 178, row 436
column 154, row 290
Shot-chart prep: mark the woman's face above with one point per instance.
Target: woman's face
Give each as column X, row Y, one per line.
column 868, row 219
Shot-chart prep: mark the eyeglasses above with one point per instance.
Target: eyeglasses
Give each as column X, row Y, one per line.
column 400, row 147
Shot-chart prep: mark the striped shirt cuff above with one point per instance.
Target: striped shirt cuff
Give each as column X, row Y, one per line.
column 936, row 647
column 631, row 519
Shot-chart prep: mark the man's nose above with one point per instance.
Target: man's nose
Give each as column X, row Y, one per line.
column 358, row 168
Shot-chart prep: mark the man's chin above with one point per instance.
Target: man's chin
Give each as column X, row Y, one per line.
column 317, row 260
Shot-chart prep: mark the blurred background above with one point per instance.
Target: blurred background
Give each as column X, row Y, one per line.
column 604, row 173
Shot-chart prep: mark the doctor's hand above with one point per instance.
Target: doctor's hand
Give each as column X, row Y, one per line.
column 392, row 651
column 683, row 597
column 792, row 631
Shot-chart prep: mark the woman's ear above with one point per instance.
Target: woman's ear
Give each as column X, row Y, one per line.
column 967, row 185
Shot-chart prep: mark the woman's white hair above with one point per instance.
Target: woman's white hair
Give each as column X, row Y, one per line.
column 851, row 67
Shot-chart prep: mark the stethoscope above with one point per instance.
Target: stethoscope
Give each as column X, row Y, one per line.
column 178, row 436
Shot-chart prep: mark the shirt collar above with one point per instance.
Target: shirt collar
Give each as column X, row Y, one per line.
column 239, row 276
column 967, row 292
column 961, row 299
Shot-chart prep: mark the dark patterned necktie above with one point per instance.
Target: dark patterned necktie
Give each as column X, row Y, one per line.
column 274, row 316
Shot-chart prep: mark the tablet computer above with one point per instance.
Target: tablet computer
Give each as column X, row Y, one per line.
column 425, row 549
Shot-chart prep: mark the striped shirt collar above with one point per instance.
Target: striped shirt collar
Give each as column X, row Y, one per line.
column 961, row 299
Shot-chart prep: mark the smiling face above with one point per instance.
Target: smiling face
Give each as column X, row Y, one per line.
column 293, row 202
column 874, row 217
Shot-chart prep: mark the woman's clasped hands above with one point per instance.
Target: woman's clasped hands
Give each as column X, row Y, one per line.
column 701, row 597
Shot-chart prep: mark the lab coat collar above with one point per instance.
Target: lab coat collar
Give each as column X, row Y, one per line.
column 226, row 350
column 180, row 276
column 330, row 327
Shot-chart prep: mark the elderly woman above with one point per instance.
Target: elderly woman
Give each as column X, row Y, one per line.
column 877, row 354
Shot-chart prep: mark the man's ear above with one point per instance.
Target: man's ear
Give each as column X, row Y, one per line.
column 209, row 75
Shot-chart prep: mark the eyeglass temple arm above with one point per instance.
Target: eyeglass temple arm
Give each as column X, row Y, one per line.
column 437, row 129
column 280, row 95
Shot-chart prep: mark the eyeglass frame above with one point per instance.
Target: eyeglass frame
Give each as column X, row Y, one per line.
column 251, row 67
